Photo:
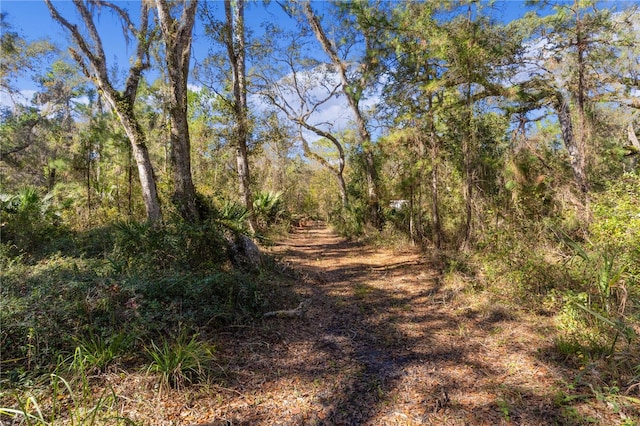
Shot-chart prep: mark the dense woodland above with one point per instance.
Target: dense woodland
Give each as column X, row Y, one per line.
column 506, row 152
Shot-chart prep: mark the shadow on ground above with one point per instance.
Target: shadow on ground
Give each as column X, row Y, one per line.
column 380, row 344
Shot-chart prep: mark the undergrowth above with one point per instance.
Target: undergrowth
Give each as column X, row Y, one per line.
column 119, row 298
column 587, row 280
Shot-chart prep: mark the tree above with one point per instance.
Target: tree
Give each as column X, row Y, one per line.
column 442, row 78
column 177, row 34
column 90, row 56
column 19, row 123
column 19, row 56
column 231, row 87
column 299, row 90
column 273, row 166
column 353, row 86
column 413, row 95
column 572, row 73
column 234, row 39
column 60, row 88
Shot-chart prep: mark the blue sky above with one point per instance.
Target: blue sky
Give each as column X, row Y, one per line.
column 31, row 19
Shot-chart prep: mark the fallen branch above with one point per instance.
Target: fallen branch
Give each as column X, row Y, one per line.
column 288, row 313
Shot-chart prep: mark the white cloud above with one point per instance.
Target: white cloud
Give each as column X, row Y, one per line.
column 23, row 97
column 333, row 115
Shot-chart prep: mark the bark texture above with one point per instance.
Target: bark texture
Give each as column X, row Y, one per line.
column 177, row 35
column 576, row 152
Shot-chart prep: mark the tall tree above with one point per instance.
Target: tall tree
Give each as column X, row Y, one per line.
column 478, row 55
column 60, row 88
column 413, row 95
column 354, row 87
column 177, row 35
column 299, row 90
column 443, row 74
column 90, row 56
column 579, row 48
column 18, row 122
column 18, row 56
column 236, row 48
column 225, row 75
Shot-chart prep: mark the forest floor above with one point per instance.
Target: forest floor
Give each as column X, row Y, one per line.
column 383, row 342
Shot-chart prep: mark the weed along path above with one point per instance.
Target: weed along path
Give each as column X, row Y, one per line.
column 381, row 341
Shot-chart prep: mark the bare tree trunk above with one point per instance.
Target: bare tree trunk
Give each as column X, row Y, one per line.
column 236, row 48
column 89, row 181
column 583, row 124
column 373, row 201
column 130, row 182
column 91, row 59
column 352, row 94
column 177, row 36
column 51, row 179
column 467, row 151
column 434, row 151
column 412, row 211
column 343, row 191
column 141, row 156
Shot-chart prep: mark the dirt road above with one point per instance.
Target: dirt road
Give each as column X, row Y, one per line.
column 383, row 344
column 385, row 340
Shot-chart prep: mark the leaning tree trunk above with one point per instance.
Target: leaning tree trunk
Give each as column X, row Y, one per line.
column 373, row 202
column 141, row 156
column 91, row 58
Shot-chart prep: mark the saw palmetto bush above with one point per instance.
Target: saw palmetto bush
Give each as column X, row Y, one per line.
column 28, row 219
column 177, row 245
column 269, row 208
column 600, row 312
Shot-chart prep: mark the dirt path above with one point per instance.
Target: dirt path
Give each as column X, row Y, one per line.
column 382, row 343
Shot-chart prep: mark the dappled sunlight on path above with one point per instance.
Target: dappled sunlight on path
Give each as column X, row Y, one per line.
column 382, row 343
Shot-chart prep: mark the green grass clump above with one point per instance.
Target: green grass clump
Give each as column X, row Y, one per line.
column 180, row 361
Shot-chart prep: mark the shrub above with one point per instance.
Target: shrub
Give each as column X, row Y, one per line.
column 350, row 222
column 615, row 228
column 27, row 220
column 269, row 208
column 175, row 246
column 599, row 312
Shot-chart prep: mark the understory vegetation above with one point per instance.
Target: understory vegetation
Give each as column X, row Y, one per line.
column 127, row 296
